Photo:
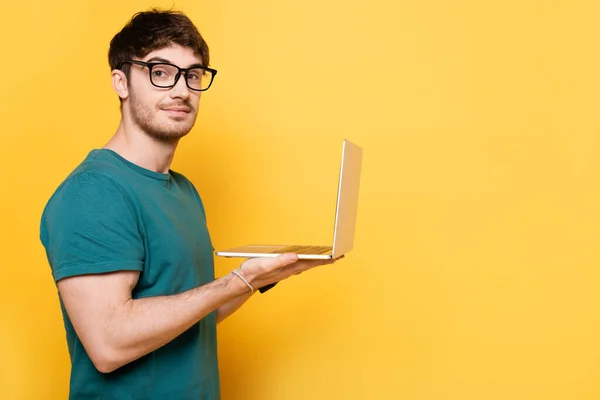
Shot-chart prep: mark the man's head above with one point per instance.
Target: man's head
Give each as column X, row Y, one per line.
column 148, row 97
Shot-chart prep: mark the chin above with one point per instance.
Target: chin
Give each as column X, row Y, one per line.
column 169, row 132
column 179, row 123
column 179, row 131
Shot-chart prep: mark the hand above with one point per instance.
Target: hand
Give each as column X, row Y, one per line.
column 264, row 271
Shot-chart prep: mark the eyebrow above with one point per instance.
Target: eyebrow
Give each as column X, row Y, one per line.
column 160, row 59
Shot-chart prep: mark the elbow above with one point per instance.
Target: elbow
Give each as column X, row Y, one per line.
column 107, row 353
column 105, row 359
column 105, row 366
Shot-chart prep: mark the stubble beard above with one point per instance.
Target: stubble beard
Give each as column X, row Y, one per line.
column 166, row 132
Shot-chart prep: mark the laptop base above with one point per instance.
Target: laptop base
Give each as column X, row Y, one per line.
column 254, row 251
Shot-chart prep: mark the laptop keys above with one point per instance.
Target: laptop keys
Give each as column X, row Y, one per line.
column 305, row 249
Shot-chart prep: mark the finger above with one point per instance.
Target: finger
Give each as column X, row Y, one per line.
column 315, row 263
column 270, row 264
column 305, row 265
column 286, row 259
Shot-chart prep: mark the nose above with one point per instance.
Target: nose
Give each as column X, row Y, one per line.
column 180, row 90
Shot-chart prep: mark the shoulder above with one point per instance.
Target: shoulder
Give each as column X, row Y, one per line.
column 180, row 178
column 187, row 185
column 87, row 187
column 184, row 182
column 94, row 178
column 88, row 195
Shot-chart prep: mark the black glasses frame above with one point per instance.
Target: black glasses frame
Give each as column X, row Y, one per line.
column 180, row 71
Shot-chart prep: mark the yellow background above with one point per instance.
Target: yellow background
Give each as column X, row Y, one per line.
column 476, row 268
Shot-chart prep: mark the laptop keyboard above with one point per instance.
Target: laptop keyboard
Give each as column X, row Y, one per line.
column 305, row 249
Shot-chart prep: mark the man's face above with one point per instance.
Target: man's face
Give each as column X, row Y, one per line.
column 163, row 114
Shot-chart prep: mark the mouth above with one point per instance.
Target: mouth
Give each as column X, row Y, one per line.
column 177, row 111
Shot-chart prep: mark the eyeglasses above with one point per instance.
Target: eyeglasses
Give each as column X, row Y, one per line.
column 165, row 75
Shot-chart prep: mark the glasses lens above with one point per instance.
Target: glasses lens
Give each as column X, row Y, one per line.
column 199, row 78
column 163, row 75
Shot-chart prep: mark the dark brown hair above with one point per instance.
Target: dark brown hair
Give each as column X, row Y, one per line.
column 153, row 30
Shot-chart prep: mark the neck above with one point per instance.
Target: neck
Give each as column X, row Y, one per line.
column 133, row 144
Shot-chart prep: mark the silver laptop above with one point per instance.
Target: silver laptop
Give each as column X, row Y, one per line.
column 345, row 218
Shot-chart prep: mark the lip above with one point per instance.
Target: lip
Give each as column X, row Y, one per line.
column 177, row 110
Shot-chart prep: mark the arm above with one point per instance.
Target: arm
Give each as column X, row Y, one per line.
column 231, row 306
column 116, row 329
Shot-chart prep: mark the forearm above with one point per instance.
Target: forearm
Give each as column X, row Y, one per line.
column 140, row 326
column 116, row 329
column 231, row 306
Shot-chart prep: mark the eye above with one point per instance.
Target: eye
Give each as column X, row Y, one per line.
column 161, row 72
column 193, row 76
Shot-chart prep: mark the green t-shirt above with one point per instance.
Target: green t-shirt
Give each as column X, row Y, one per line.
column 111, row 215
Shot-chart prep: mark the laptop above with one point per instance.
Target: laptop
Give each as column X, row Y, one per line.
column 345, row 218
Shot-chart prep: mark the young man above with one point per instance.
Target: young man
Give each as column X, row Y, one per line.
column 126, row 237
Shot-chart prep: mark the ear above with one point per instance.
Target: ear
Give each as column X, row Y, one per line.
column 119, row 83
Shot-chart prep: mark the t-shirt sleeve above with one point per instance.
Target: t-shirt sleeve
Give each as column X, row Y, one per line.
column 90, row 227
